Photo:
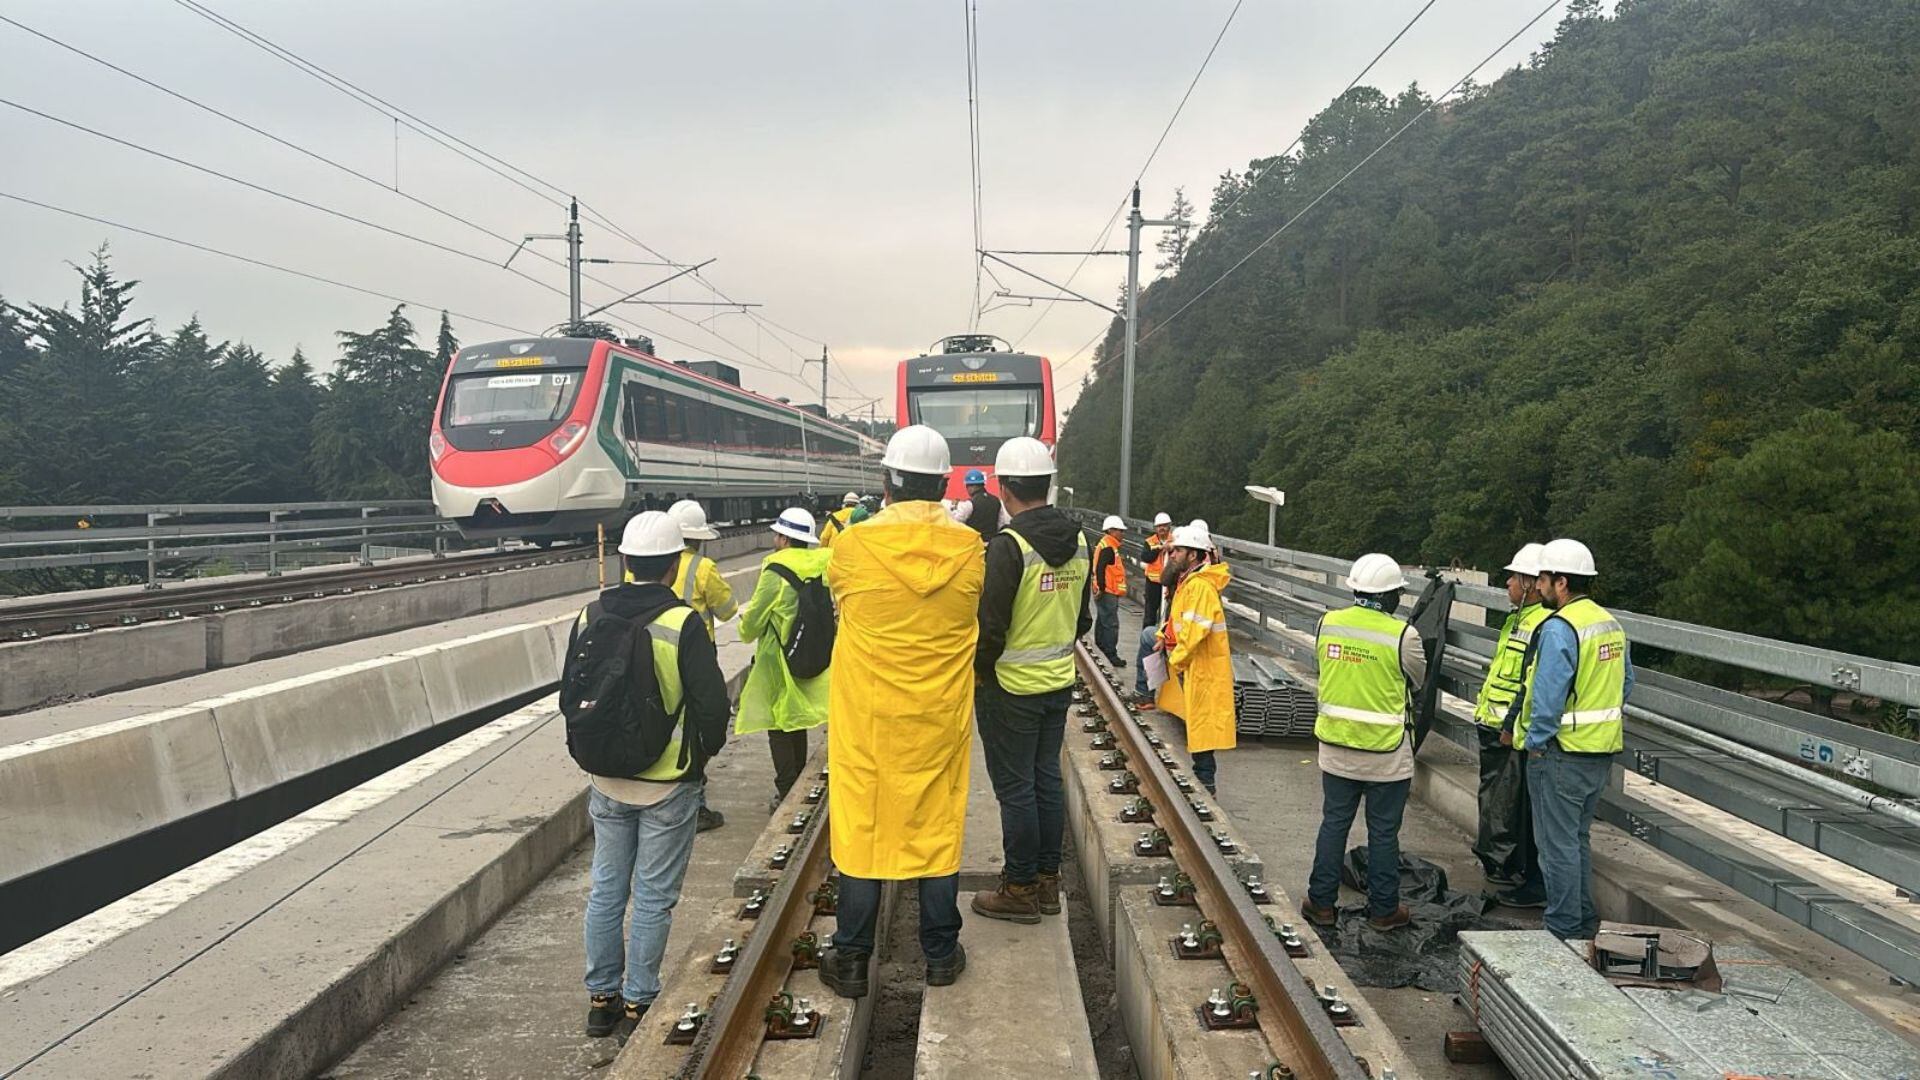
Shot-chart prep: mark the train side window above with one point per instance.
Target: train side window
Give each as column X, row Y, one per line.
column 699, row 421
column 629, row 413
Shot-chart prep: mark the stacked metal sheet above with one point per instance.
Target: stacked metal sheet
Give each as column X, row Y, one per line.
column 1548, row 1014
column 1269, row 703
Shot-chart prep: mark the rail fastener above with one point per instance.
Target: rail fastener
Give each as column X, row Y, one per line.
column 778, row 860
column 1124, row 784
column 1289, row 936
column 1176, row 891
column 1101, row 741
column 1154, row 844
column 756, row 903
column 1197, row 943
column 799, row 823
column 1201, row 810
column 1230, row 1009
column 683, row 1031
column 1337, row 1009
column 1257, row 891
column 1136, row 811
column 815, row 794
column 806, row 951
column 789, row 1017
column 826, row 898
column 1113, row 760
column 723, row 960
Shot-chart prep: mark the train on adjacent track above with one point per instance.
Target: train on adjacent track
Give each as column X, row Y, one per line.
column 975, row 390
column 549, row 438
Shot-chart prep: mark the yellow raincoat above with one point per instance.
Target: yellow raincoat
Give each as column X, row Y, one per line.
column 772, row 697
column 907, row 583
column 1199, row 688
column 705, row 590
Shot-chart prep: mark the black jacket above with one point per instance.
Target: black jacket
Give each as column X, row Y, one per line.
column 704, row 687
column 1052, row 534
column 984, row 518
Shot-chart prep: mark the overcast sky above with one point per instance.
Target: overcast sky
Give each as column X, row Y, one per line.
column 817, row 150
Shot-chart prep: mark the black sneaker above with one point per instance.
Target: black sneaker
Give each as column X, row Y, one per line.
column 845, row 973
column 1504, row 881
column 709, row 820
column 603, row 1015
column 1521, row 898
column 1116, row 662
column 636, row 1012
column 944, row 971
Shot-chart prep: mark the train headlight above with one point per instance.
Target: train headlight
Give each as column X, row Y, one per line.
column 437, row 446
column 567, row 438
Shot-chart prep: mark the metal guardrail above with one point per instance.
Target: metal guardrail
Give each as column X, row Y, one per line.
column 159, row 533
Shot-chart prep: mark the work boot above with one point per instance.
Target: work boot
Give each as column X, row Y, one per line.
column 1522, row 897
column 1319, row 916
column 603, row 1015
column 1011, row 901
column 1116, row 662
column 636, row 1011
column 1393, row 920
column 1049, row 898
column 844, row 972
column 944, row 971
column 709, row 820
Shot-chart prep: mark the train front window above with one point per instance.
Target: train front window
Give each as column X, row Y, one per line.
column 996, row 413
column 529, row 397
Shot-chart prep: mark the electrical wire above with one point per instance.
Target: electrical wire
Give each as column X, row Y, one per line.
column 263, row 263
column 970, row 9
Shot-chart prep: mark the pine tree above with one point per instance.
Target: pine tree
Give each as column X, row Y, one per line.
column 1172, row 244
column 370, row 437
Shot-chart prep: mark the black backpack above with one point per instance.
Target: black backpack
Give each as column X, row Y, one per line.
column 617, row 722
column 809, row 649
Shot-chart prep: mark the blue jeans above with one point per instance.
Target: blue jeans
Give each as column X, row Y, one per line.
column 639, row 853
column 1565, row 789
column 1340, row 800
column 1106, row 624
column 1148, row 638
column 1021, row 734
column 859, row 909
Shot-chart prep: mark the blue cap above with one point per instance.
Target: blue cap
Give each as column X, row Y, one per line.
column 975, row 476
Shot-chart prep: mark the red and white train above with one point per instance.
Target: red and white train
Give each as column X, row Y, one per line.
column 975, row 390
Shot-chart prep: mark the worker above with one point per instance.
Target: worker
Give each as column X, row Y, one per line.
column 1032, row 608
column 1505, row 830
column 699, row 582
column 1156, row 556
column 1570, row 721
column 775, row 700
column 1167, row 580
column 1370, row 663
column 1199, row 686
column 1109, row 585
column 981, row 510
column 643, row 817
column 837, row 521
column 907, row 583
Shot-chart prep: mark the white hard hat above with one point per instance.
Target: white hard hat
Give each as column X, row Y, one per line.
column 919, row 449
column 1201, row 524
column 1193, row 536
column 1161, row 519
column 1527, row 560
column 693, row 520
column 1113, row 522
column 850, row 498
column 1567, row 557
column 1024, row 457
column 1375, row 573
column 797, row 524
column 651, row 533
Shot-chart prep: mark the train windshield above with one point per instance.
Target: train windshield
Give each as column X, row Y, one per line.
column 506, row 399
column 1003, row 412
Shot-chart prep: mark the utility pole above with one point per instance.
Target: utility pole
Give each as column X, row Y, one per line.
column 1134, row 224
column 823, row 376
column 573, row 255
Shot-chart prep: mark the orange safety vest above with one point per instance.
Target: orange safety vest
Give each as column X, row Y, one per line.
column 1114, row 581
column 1157, row 555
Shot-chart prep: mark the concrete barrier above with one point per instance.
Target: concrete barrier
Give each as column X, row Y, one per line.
column 247, row 634
column 33, row 673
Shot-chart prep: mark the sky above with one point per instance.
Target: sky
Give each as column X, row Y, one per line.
column 817, row 152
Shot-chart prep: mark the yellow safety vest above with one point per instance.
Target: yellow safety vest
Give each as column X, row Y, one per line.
column 1046, row 611
column 1593, row 720
column 1506, row 671
column 1363, row 693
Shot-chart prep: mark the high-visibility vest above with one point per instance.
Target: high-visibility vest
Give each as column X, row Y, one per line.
column 1363, row 692
column 1506, row 671
column 686, row 586
column 1114, row 579
column 836, row 524
column 1593, row 720
column 665, row 634
column 1046, row 612
column 1156, row 557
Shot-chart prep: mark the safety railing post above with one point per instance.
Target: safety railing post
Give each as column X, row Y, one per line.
column 273, row 537
column 366, row 537
column 153, row 555
column 439, row 542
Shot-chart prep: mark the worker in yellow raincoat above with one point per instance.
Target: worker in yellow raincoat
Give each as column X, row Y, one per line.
column 698, row 581
column 907, row 583
column 1199, row 686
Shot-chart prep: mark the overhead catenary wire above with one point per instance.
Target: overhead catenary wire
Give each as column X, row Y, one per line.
column 971, row 12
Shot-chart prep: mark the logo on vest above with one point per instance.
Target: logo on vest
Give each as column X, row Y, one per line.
column 1046, row 581
column 1609, row 651
column 1333, row 651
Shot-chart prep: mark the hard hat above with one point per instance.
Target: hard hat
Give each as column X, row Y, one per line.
column 919, row 449
column 1161, row 519
column 693, row 520
column 1567, row 557
column 1113, row 522
column 651, row 533
column 1193, row 536
column 850, row 498
column 976, row 477
column 1527, row 560
column 1375, row 573
column 1024, row 457
column 1201, row 524
column 796, row 524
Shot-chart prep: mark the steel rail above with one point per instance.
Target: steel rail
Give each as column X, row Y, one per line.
column 735, row 1028
column 1290, row 1016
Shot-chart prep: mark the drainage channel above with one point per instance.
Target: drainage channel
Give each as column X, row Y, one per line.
column 44, row 901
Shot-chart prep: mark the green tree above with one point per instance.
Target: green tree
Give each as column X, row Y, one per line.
column 370, row 435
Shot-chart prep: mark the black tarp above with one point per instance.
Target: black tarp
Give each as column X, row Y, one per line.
column 1424, row 954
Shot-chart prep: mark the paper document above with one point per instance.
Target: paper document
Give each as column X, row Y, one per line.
column 1155, row 665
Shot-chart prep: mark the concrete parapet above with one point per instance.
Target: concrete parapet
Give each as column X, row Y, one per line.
column 245, row 634
column 33, row 673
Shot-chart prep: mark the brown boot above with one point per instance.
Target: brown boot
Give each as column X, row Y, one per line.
column 1319, row 916
column 1049, row 898
column 1014, row 903
column 1393, row 920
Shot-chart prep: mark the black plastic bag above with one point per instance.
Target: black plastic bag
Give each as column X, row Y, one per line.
column 1425, row 954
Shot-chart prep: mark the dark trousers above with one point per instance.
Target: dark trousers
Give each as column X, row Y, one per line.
column 1152, row 603
column 1106, row 625
column 1340, row 800
column 1504, row 817
column 789, row 757
column 1206, row 770
column 859, row 909
column 1021, row 734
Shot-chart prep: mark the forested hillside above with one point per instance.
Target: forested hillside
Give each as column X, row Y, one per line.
column 1659, row 289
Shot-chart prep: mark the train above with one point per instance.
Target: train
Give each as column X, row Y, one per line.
column 545, row 439
column 975, row 390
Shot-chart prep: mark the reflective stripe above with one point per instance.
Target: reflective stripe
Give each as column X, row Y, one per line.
column 1036, row 656
column 1342, row 712
column 663, row 633
column 688, row 579
column 1031, row 558
column 1591, row 716
column 1195, row 619
column 1522, row 637
column 1595, row 630
column 1391, row 641
column 1038, row 652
